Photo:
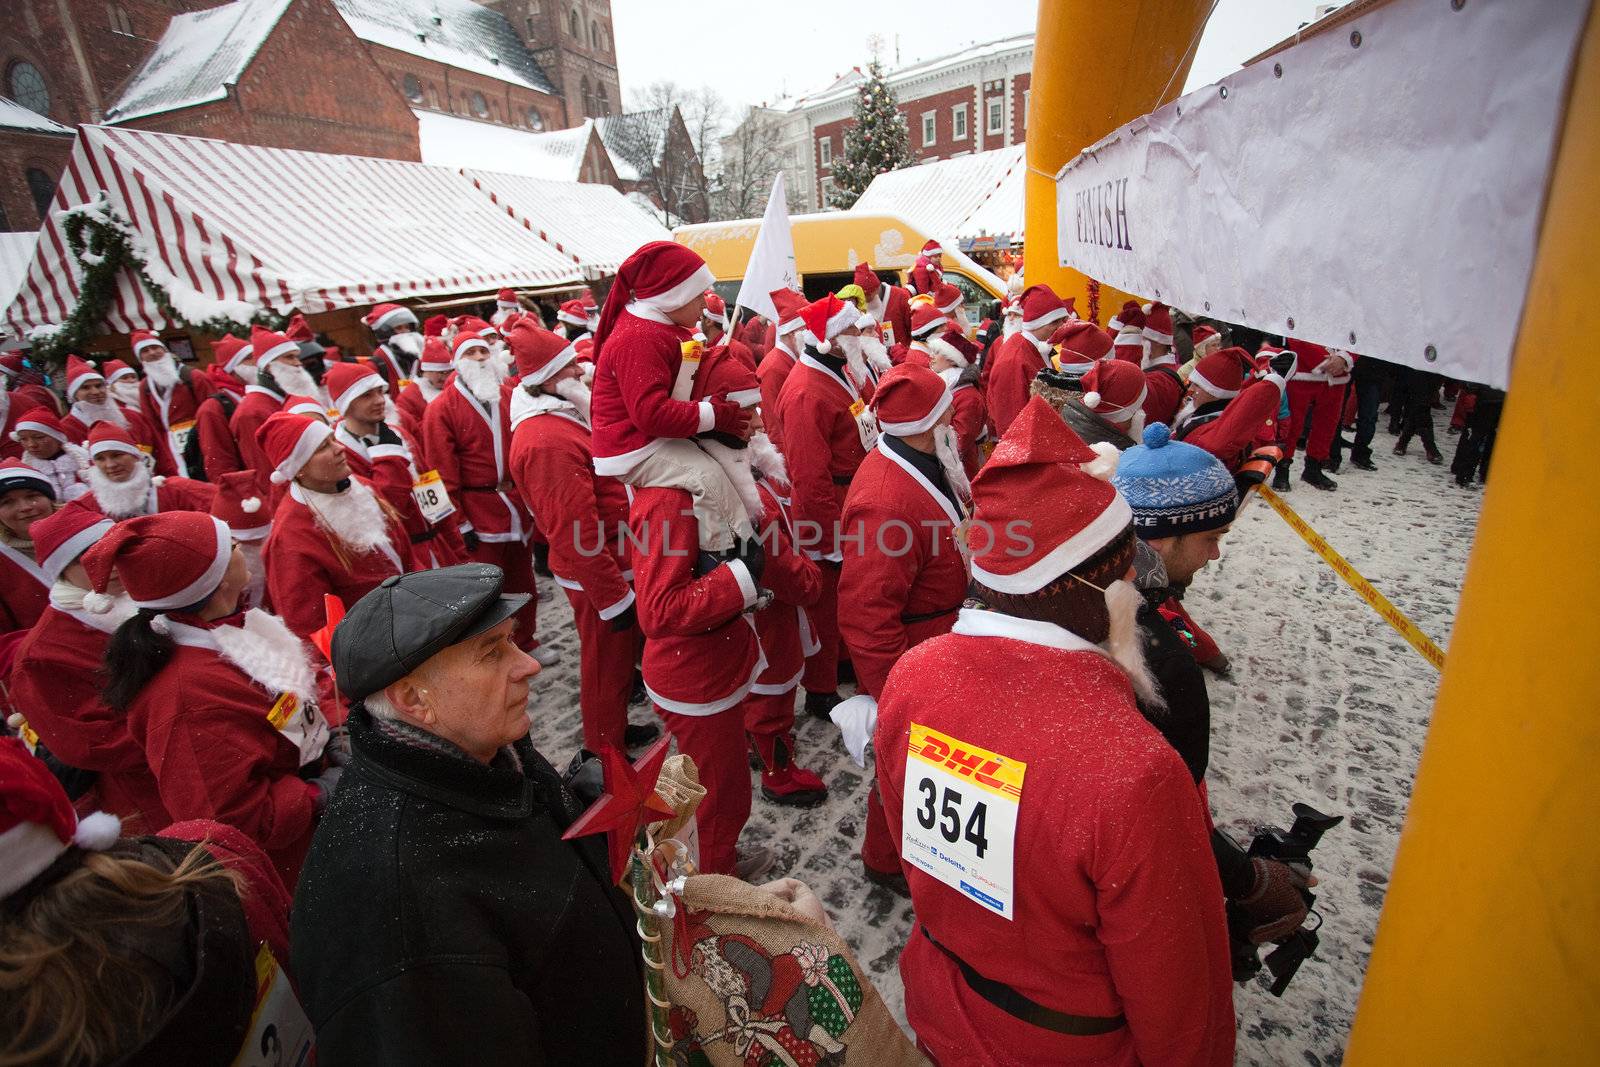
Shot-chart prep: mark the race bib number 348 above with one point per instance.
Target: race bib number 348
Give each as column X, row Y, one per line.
column 959, row 817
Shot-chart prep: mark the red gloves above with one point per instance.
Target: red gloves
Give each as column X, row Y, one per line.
column 731, row 418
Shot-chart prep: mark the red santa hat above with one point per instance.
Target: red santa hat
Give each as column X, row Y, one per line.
column 826, row 319
column 167, row 561
column 1129, row 345
column 309, row 406
column 11, row 364
column 39, row 420
column 15, row 474
column 435, row 325
column 1158, row 324
column 931, row 247
column 37, row 821
column 142, row 339
column 238, row 504
column 347, row 381
column 506, row 300
column 288, row 440
column 927, row 321
column 107, row 436
column 229, row 351
column 539, row 353
column 1041, row 460
column 472, row 324
column 1204, row 336
column 269, row 345
column 726, row 375
column 788, row 305
column 1082, row 344
column 63, row 536
column 968, row 350
column 1222, row 373
column 467, row 341
column 868, row 279
column 1040, row 307
column 947, row 298
column 573, row 312
column 299, row 329
column 115, row 369
column 716, row 309
column 909, row 400
column 80, row 372
column 388, row 316
column 435, row 355
column 1114, row 390
column 661, row 276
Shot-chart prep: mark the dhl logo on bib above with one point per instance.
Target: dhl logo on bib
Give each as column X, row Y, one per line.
column 990, row 771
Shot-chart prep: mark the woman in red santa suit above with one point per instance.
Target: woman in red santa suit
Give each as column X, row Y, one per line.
column 55, row 678
column 223, row 701
column 279, row 376
column 26, row 496
column 1022, row 356
column 232, row 370
column 92, row 405
column 332, row 533
column 169, row 398
column 46, row 449
column 122, row 487
column 1068, row 905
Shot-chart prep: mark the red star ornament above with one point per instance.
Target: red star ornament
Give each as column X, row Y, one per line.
column 629, row 802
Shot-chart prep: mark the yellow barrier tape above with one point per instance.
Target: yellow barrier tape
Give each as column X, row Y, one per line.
column 1341, row 566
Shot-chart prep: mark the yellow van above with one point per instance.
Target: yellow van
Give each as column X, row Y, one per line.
column 827, row 247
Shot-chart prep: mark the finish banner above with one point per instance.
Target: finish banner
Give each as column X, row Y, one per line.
column 1377, row 187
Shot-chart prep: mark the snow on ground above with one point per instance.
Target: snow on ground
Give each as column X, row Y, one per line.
column 1327, row 705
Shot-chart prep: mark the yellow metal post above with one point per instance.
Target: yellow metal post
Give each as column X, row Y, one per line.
column 1488, row 950
column 1096, row 65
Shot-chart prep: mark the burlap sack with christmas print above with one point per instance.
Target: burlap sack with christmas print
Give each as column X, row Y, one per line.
column 753, row 982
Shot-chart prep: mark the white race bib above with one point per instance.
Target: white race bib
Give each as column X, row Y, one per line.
column 178, row 438
column 301, row 723
column 866, row 425
column 432, row 499
column 280, row 1034
column 958, row 821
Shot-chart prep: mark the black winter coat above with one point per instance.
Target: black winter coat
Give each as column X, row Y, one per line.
column 440, row 919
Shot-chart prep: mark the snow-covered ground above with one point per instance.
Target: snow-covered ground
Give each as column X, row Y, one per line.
column 1327, row 705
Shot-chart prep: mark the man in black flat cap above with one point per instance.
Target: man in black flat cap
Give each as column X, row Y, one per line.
column 440, row 918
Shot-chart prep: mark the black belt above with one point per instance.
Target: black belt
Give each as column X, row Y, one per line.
column 426, row 535
column 928, row 616
column 480, row 488
column 842, row 479
column 1018, row 1006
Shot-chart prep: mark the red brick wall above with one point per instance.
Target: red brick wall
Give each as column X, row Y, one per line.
column 1019, row 114
column 19, row 152
column 450, row 89
column 945, row 143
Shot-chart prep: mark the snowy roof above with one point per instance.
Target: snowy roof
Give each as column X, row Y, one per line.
column 198, row 57
column 16, row 250
column 965, row 197
column 228, row 229
column 450, row 141
column 595, row 224
column 13, row 116
column 844, row 86
column 625, row 135
column 457, row 33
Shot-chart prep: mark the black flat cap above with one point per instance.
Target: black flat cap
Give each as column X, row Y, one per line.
column 401, row 624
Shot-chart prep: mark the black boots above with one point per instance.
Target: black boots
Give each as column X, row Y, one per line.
column 1362, row 461
column 1280, row 476
column 1312, row 475
column 818, row 705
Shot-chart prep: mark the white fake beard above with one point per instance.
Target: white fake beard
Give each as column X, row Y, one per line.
column 354, row 516
column 1136, row 427
column 126, row 390
column 247, row 373
column 391, row 414
column 105, row 411
column 575, row 393
column 120, row 500
column 735, row 462
column 1125, row 643
column 765, row 457
column 428, row 389
column 853, row 357
column 1010, row 324
column 1184, row 411
column 291, row 380
column 877, row 355
column 266, row 650
column 501, row 357
column 588, row 374
column 947, row 447
column 409, row 344
column 482, row 379
column 64, row 596
column 162, row 373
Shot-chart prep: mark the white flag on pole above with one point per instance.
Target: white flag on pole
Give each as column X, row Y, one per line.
column 772, row 259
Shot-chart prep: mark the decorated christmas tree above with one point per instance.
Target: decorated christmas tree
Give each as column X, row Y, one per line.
column 877, row 142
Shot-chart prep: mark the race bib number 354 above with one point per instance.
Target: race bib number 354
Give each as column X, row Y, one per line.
column 959, row 817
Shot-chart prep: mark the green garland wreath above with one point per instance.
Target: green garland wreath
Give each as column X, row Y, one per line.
column 98, row 239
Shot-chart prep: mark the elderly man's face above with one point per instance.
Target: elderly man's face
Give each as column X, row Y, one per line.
column 477, row 692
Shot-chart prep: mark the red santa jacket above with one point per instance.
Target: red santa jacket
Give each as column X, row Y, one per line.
column 903, row 577
column 389, row 468
column 265, row 899
column 632, row 409
column 1228, row 429
column 796, row 584
column 1163, row 395
column 172, row 415
column 701, row 653
column 896, row 319
column 218, row 449
column 13, row 404
column 412, row 404
column 24, row 592
column 302, row 563
column 822, row 448
column 259, row 405
column 1014, row 365
column 469, row 444
column 772, row 372
column 1309, row 357
column 970, row 417
column 580, row 513
column 55, row 683
column 740, row 350
column 202, row 722
column 168, row 494
column 1117, row 907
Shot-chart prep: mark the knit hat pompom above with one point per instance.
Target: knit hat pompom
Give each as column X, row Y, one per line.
column 1104, row 465
column 97, row 603
column 824, row 347
column 250, row 505
column 97, row 832
column 1157, row 434
column 1091, row 400
column 158, row 480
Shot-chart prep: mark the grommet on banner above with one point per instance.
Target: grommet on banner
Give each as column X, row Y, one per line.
column 1208, row 305
column 1224, row 90
column 1352, row 337
column 1430, row 354
column 1355, row 38
column 1291, row 322
column 1457, row 5
column 1277, row 70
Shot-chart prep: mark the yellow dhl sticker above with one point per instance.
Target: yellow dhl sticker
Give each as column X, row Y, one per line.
column 991, row 771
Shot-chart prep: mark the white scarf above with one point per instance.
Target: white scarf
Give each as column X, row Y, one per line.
column 63, row 470
column 264, row 648
column 126, row 499
column 354, row 516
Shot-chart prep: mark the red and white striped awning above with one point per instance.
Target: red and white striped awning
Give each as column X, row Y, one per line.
column 230, row 229
column 594, row 224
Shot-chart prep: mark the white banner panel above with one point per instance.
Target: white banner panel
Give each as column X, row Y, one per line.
column 1377, row 187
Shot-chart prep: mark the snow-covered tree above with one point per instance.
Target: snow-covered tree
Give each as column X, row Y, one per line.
column 878, row 141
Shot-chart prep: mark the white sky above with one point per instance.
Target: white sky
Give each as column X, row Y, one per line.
column 752, row 51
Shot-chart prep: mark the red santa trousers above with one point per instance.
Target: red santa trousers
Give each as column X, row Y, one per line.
column 822, row 666
column 767, row 718
column 879, row 850
column 716, row 744
column 1318, row 403
column 516, row 559
column 606, row 660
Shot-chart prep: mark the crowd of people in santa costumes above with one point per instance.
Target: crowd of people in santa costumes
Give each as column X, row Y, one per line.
column 869, row 508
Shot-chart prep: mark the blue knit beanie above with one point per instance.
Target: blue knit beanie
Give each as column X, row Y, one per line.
column 1174, row 488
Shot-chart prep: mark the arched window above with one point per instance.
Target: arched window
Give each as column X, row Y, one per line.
column 535, row 120
column 43, row 188
column 572, row 24
column 412, row 86
column 26, row 86
column 480, row 106
column 604, row 101
column 594, row 35
column 588, row 99
column 118, row 18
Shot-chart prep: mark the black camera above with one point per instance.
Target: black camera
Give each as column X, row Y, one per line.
column 1292, row 846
